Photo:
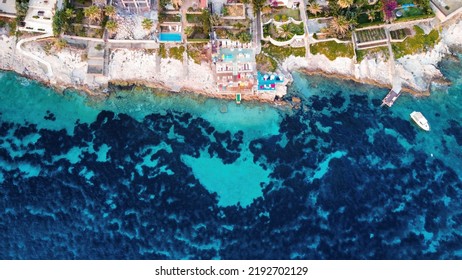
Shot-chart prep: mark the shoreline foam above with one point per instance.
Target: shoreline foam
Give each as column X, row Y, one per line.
column 135, row 67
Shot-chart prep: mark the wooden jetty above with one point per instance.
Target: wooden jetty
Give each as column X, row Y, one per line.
column 391, row 98
column 238, row 98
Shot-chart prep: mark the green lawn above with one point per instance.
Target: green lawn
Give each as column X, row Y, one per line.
column 402, row 2
column 416, row 44
column 363, row 19
column 282, row 14
column 332, row 49
column 169, row 17
column 361, row 54
column 193, row 18
column 281, row 53
column 279, row 35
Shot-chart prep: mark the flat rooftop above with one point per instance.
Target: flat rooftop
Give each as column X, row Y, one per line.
column 42, row 4
column 447, row 7
column 8, row 6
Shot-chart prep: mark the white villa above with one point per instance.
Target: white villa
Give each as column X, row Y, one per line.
column 39, row 17
column 7, row 8
column 136, row 4
column 288, row 3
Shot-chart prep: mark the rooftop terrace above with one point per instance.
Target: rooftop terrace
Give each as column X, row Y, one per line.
column 8, row 6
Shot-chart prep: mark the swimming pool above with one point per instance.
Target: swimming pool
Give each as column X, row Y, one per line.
column 236, row 55
column 170, row 37
column 407, row 6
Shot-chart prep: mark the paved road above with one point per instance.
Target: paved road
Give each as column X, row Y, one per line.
column 132, row 45
column 395, row 79
column 302, row 7
column 258, row 32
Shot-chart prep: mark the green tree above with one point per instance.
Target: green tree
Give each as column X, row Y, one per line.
column 147, row 24
column 244, row 37
column 93, row 13
column 266, row 10
column 314, row 8
column 370, row 15
column 238, row 25
column 225, row 11
column 215, row 20
column 109, row 10
column 69, row 13
column 258, row 4
column 111, row 26
column 205, row 20
column 339, row 26
column 285, row 32
column 188, row 31
column 345, row 3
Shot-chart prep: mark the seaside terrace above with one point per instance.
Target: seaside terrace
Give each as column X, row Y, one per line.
column 235, row 70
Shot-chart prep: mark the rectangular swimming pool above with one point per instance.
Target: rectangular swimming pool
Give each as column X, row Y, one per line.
column 236, row 55
column 170, row 37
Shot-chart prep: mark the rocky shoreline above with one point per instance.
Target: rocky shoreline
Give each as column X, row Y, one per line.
column 139, row 68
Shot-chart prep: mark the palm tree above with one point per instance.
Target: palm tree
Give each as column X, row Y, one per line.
column 69, row 13
column 285, row 32
column 339, row 26
column 110, row 11
column 147, row 24
column 188, row 30
column 215, row 19
column 93, row 13
column 111, row 26
column 345, row 3
column 244, row 37
column 314, row 8
column 266, row 10
column 370, row 15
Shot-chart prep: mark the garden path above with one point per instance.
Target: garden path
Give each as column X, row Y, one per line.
column 302, row 7
column 30, row 55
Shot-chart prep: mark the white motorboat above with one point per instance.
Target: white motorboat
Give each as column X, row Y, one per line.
column 420, row 120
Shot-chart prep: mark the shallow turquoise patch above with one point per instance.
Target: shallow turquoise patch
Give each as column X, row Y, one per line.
column 234, row 183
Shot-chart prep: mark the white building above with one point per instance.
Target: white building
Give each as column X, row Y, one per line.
column 136, row 4
column 8, row 8
column 288, row 3
column 39, row 17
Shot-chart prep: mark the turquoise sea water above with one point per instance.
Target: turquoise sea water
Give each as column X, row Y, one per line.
column 157, row 175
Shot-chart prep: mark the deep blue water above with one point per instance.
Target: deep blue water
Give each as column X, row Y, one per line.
column 159, row 176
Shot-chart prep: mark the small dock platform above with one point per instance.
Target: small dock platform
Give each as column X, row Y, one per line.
column 238, row 98
column 391, row 98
